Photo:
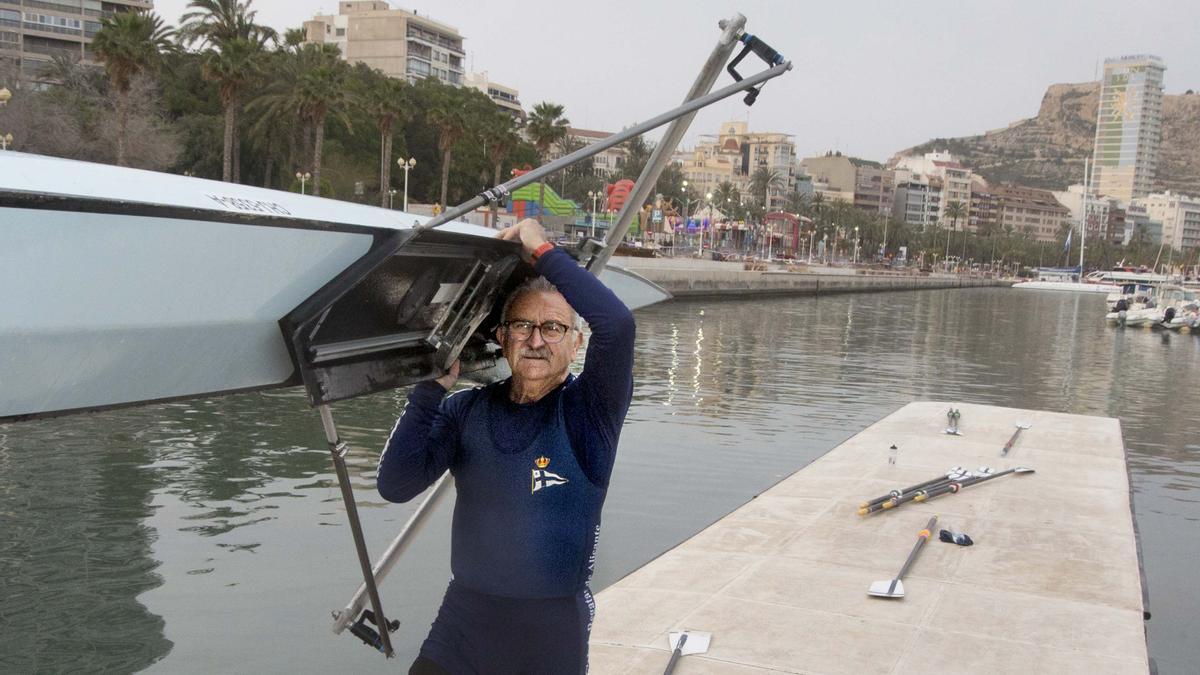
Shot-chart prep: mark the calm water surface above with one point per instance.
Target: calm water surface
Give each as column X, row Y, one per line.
column 208, row 536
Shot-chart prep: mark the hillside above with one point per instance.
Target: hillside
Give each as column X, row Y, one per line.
column 1048, row 150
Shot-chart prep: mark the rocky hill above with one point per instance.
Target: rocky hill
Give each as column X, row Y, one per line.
column 1047, row 151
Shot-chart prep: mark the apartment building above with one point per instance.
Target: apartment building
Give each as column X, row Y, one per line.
column 955, row 178
column 917, row 198
column 735, row 153
column 504, row 96
column 874, row 189
column 1103, row 214
column 399, row 42
column 1032, row 211
column 837, row 177
column 1179, row 215
column 604, row 164
column 1138, row 223
column 1128, row 127
column 985, row 211
column 33, row 32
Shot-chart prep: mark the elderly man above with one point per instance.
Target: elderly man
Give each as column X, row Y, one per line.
column 531, row 457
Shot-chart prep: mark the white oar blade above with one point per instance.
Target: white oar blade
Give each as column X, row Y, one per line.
column 888, row 588
column 697, row 641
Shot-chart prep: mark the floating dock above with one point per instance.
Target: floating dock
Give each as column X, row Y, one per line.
column 1052, row 584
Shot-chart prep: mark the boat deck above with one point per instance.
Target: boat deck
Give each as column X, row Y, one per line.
column 1052, row 584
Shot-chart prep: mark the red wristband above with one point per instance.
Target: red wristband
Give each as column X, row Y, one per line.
column 541, row 250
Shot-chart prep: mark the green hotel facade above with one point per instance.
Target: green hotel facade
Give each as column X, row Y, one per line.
column 1128, row 127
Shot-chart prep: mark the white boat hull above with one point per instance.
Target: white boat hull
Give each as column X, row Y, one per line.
column 178, row 293
column 1066, row 286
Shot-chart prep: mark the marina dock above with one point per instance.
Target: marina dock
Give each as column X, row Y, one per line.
column 690, row 277
column 1052, row 583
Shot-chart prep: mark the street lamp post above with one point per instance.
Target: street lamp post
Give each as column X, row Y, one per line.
column 7, row 139
column 406, row 164
column 595, row 195
column 392, row 198
column 303, row 178
column 855, row 244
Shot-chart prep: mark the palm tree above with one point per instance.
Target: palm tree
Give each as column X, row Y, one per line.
column 546, row 126
column 386, row 100
column 762, row 180
column 129, row 43
column 954, row 211
column 234, row 66
column 310, row 84
column 447, row 118
column 501, row 135
column 726, row 195
column 798, row 203
column 236, row 47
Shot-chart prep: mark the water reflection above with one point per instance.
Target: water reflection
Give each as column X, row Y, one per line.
column 144, row 538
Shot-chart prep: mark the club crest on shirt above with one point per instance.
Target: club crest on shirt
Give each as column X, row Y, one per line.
column 543, row 478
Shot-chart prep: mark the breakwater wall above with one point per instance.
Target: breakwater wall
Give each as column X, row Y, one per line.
column 701, row 278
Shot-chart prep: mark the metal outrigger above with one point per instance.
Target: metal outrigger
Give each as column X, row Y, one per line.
column 354, row 615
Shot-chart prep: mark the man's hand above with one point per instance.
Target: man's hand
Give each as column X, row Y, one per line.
column 529, row 232
column 447, row 381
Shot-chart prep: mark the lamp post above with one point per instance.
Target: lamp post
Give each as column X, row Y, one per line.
column 855, row 244
column 7, row 139
column 594, row 195
column 303, row 178
column 407, row 165
column 391, row 198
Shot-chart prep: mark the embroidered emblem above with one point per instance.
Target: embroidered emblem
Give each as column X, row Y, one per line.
column 543, row 478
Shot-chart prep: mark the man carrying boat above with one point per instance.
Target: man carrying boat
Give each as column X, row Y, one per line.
column 531, row 457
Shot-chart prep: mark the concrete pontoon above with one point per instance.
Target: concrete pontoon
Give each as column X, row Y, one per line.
column 1053, row 583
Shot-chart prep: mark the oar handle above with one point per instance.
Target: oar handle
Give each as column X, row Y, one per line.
column 959, row 485
column 922, row 537
column 675, row 655
column 911, row 488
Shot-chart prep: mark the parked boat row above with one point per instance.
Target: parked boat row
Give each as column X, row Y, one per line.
column 1165, row 306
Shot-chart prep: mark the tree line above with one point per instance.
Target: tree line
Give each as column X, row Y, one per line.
column 221, row 96
column 224, row 97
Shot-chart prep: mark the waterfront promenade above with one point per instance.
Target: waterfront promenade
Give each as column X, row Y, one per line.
column 693, row 277
column 1052, row 583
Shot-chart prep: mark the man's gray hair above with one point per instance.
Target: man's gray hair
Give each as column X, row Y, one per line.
column 537, row 285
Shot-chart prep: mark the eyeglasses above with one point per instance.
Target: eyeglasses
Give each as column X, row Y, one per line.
column 552, row 331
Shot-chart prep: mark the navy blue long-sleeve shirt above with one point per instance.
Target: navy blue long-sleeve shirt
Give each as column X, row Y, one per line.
column 531, row 477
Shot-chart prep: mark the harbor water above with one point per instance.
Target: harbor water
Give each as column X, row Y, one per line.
column 209, row 536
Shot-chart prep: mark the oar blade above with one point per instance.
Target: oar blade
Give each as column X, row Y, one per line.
column 887, row 588
column 696, row 643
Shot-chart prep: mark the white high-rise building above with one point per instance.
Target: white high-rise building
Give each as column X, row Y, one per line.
column 1128, row 127
column 399, row 42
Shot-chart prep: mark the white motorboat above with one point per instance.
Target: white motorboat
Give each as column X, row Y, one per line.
column 1172, row 307
column 124, row 286
column 1135, row 295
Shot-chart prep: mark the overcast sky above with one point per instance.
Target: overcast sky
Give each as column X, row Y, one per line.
column 871, row 77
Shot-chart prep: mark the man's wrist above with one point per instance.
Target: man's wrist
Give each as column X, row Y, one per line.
column 541, row 249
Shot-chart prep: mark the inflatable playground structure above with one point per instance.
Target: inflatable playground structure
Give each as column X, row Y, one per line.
column 524, row 203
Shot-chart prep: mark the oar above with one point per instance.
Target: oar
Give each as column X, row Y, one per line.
column 684, row 643
column 911, row 496
column 1021, row 426
column 894, row 588
column 949, row 475
column 955, row 487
